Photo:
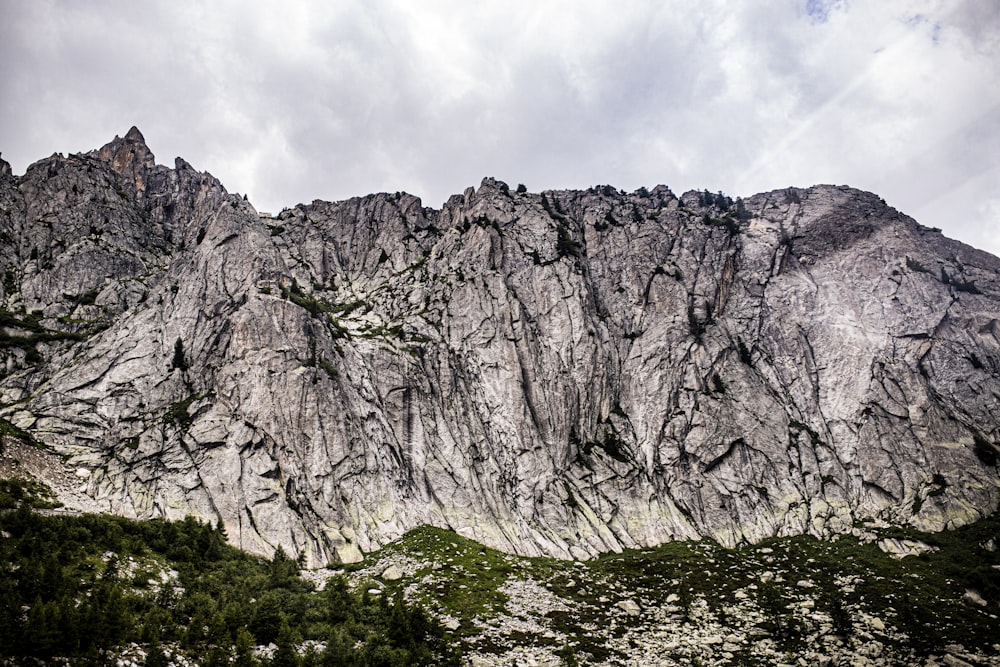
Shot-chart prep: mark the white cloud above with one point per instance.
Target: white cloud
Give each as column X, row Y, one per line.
column 293, row 101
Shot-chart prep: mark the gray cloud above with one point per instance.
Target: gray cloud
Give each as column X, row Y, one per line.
column 293, row 101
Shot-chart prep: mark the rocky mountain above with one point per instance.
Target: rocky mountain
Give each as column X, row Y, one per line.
column 563, row 373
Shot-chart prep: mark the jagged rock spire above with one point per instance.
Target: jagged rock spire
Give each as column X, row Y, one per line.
column 135, row 135
column 129, row 157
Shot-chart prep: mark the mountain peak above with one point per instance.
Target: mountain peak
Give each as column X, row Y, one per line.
column 135, row 135
column 130, row 156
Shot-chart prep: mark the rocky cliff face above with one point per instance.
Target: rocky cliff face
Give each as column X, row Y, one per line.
column 561, row 373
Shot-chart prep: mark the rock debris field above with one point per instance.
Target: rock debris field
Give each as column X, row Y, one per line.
column 790, row 601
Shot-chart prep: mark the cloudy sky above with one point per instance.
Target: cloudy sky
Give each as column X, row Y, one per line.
column 291, row 102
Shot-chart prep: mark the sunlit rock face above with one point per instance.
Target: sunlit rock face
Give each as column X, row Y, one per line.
column 563, row 373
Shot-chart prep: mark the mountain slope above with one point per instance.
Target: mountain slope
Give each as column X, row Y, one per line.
column 563, row 373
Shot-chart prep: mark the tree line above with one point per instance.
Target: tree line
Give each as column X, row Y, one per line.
column 81, row 587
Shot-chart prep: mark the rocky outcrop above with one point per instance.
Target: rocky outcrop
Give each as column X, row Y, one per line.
column 560, row 373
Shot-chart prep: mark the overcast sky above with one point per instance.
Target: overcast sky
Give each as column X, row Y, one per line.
column 290, row 102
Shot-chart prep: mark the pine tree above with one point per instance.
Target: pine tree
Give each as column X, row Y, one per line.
column 285, row 655
column 244, row 650
column 178, row 361
column 40, row 638
column 339, row 651
column 155, row 656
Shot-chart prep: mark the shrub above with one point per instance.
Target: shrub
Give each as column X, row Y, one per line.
column 178, row 361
